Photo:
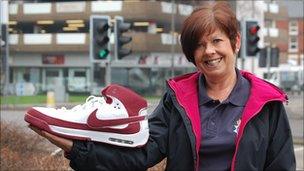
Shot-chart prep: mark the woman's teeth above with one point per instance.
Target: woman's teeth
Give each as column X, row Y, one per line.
column 213, row 62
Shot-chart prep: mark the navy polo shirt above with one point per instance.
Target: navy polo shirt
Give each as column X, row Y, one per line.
column 219, row 124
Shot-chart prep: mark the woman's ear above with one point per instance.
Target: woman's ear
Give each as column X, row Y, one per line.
column 238, row 43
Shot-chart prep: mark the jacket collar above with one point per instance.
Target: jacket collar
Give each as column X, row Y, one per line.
column 260, row 91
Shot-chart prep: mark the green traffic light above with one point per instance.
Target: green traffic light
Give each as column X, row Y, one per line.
column 103, row 53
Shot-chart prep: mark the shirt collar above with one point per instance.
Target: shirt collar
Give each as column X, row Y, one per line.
column 240, row 91
column 203, row 97
column 238, row 95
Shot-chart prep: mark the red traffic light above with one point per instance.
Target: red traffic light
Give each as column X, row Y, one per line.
column 251, row 29
column 254, row 29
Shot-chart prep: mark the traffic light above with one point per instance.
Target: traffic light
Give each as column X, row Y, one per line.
column 263, row 58
column 271, row 57
column 119, row 28
column 274, row 57
column 252, row 27
column 100, row 38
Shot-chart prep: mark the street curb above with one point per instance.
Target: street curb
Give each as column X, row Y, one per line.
column 25, row 107
column 17, row 108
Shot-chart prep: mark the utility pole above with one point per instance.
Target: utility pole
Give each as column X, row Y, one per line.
column 268, row 61
column 243, row 43
column 173, row 37
column 4, row 45
column 252, row 16
column 108, row 78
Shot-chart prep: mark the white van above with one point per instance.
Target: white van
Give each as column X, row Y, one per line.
column 287, row 77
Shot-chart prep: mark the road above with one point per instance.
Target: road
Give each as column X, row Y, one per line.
column 294, row 110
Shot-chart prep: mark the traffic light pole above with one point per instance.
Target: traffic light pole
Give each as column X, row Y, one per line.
column 5, row 46
column 243, row 44
column 108, row 76
column 173, row 37
column 252, row 15
column 268, row 61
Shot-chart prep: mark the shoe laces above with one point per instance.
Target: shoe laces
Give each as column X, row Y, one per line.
column 91, row 101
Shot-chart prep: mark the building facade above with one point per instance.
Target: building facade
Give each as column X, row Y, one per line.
column 49, row 44
column 49, row 41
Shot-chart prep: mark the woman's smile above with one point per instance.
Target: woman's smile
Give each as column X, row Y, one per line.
column 211, row 63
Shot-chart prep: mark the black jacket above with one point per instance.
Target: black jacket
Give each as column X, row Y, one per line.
column 264, row 140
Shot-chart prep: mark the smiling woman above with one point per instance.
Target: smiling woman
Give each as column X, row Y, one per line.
column 215, row 40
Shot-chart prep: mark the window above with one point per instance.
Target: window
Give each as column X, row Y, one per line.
column 293, row 27
column 79, row 74
column 52, row 73
column 270, row 23
column 267, row 23
column 293, row 44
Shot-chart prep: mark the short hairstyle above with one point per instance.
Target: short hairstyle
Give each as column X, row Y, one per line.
column 204, row 21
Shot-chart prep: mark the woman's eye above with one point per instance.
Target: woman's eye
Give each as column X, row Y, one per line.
column 216, row 40
column 200, row 45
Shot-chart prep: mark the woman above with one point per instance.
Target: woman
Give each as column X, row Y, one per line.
column 218, row 118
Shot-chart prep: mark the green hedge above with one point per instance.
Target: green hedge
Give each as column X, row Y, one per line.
column 41, row 99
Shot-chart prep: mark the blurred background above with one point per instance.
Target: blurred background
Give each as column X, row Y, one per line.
column 48, row 52
column 47, row 43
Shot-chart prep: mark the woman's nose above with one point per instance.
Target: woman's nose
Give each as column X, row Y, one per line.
column 209, row 49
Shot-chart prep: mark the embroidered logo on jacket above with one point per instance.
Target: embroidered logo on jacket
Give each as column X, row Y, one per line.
column 236, row 126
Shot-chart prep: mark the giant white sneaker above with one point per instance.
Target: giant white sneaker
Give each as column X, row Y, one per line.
column 119, row 117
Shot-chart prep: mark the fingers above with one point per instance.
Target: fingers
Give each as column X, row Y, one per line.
column 37, row 130
column 63, row 143
column 43, row 133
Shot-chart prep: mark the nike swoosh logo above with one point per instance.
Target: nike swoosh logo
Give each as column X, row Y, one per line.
column 94, row 122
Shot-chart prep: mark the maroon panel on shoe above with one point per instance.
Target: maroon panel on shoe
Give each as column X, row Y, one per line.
column 94, row 122
column 130, row 129
column 133, row 102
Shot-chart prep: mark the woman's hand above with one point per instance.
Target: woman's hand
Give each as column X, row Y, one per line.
column 62, row 143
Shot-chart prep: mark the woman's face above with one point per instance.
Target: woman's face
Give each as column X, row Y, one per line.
column 214, row 55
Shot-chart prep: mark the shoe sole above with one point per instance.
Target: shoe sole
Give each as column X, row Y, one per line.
column 137, row 139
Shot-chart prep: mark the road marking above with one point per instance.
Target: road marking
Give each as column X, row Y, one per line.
column 298, row 149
